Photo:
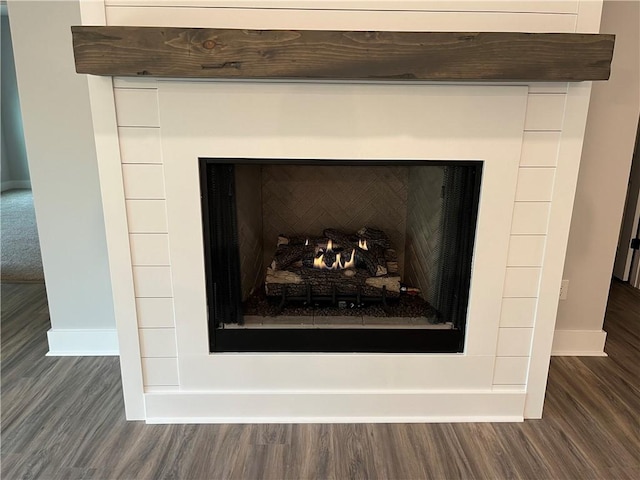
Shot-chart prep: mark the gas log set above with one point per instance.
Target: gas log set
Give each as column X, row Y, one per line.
column 338, row 268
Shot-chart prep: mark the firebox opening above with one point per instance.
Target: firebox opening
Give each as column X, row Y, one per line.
column 331, row 255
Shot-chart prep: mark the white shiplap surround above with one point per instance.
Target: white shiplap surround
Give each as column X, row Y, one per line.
column 150, row 133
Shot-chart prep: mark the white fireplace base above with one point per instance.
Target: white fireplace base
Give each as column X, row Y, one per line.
column 149, row 135
column 344, row 407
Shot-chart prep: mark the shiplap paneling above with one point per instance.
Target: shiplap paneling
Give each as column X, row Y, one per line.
column 511, row 371
column 524, row 6
column 540, row 149
column 551, row 87
column 158, row 342
column 518, row 312
column 530, row 218
column 136, row 107
column 514, row 342
column 155, row 312
column 158, row 372
column 275, row 19
column 137, row 82
column 535, row 184
column 544, row 112
column 521, row 282
column 149, row 249
column 140, row 145
column 147, row 216
column 144, row 182
column 526, row 250
column 152, row 281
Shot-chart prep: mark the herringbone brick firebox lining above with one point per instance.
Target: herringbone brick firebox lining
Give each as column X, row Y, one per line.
column 403, row 201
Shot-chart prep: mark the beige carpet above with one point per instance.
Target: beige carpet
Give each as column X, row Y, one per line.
column 20, row 259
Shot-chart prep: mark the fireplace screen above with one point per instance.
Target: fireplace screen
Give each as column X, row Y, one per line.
column 338, row 256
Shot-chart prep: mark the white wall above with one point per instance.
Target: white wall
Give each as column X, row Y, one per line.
column 15, row 171
column 62, row 160
column 602, row 186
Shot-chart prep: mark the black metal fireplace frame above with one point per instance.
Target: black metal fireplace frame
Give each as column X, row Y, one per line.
column 222, row 276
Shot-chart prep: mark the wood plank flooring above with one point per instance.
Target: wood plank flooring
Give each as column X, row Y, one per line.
column 63, row 418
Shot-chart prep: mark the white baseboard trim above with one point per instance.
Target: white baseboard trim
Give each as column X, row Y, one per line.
column 82, row 342
column 13, row 184
column 334, row 407
column 579, row 343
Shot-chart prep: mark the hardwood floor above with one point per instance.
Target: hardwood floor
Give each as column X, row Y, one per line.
column 63, row 418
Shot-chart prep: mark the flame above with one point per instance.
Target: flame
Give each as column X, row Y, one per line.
column 362, row 243
column 351, row 263
column 329, row 245
column 306, row 242
column 340, row 263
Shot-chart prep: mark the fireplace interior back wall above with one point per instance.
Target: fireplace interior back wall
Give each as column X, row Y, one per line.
column 405, row 202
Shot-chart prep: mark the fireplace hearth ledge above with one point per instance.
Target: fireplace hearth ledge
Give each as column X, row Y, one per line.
column 530, row 138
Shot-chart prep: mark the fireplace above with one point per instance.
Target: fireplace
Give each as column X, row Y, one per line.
column 154, row 135
column 338, row 256
column 168, row 132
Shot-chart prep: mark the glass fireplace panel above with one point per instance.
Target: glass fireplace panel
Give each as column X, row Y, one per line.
column 338, row 255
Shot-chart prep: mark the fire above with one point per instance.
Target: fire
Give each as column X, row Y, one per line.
column 340, row 263
column 351, row 263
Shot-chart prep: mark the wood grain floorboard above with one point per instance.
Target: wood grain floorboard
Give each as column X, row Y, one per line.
column 63, row 418
column 353, row 452
column 309, row 455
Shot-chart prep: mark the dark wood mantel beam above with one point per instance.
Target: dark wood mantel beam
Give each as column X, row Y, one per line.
column 314, row 54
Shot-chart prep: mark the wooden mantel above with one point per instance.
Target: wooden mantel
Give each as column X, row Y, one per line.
column 316, row 54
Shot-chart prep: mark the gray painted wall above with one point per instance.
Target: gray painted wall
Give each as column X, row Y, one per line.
column 5, row 175
column 604, row 174
column 62, row 160
column 14, row 154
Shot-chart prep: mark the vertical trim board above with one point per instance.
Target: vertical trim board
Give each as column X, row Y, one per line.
column 569, row 155
column 103, row 114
